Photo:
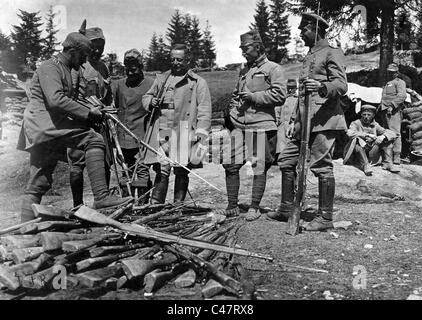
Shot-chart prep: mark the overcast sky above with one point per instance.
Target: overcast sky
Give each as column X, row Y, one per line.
column 131, row 23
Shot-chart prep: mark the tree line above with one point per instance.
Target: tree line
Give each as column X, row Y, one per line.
column 26, row 45
column 184, row 29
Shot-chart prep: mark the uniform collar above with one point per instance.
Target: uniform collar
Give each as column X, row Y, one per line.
column 372, row 124
column 321, row 44
column 189, row 73
column 259, row 61
column 63, row 59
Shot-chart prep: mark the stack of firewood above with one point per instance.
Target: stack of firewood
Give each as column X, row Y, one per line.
column 145, row 248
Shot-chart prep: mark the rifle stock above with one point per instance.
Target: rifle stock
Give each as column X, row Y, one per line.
column 293, row 223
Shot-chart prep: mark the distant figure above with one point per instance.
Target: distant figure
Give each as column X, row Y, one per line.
column 393, row 98
column 283, row 114
column 367, row 139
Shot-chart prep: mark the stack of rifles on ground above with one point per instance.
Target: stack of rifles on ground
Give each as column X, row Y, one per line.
column 137, row 247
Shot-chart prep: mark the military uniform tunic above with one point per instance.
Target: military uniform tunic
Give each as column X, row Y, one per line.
column 326, row 65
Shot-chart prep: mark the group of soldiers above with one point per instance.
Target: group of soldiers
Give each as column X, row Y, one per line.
column 262, row 104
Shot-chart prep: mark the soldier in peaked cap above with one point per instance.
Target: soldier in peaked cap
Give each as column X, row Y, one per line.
column 323, row 75
column 128, row 93
column 259, row 89
column 393, row 97
column 90, row 80
column 54, row 121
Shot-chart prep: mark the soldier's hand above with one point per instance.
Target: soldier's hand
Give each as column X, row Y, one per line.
column 312, row 85
column 155, row 102
column 290, row 131
column 95, row 115
column 199, row 137
column 380, row 139
column 246, row 96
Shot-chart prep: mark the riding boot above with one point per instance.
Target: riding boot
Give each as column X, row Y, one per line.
column 324, row 218
column 181, row 183
column 287, row 197
column 27, row 213
column 96, row 171
column 161, row 185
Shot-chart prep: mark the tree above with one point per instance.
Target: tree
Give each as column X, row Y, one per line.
column 279, row 30
column 152, row 55
column 50, row 41
column 176, row 30
column 194, row 40
column 163, row 55
column 27, row 39
column 208, row 48
column 262, row 22
column 5, row 42
column 419, row 30
column 380, row 21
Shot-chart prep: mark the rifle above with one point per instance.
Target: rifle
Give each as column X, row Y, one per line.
column 293, row 223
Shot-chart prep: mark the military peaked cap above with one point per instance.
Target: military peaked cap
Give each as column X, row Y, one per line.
column 132, row 55
column 78, row 41
column 313, row 18
column 368, row 107
column 250, row 37
column 393, row 67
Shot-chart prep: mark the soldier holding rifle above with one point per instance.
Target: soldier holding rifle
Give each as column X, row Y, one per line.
column 323, row 76
column 54, row 121
column 183, row 101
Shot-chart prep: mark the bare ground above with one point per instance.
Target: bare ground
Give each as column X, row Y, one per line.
column 390, row 269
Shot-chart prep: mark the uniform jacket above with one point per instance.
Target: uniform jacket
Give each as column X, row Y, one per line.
column 92, row 80
column 326, row 65
column 51, row 112
column 357, row 128
column 128, row 102
column 393, row 94
column 189, row 114
column 265, row 80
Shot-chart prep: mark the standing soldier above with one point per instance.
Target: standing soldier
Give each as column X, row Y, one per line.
column 53, row 121
column 323, row 75
column 128, row 93
column 260, row 88
column 393, row 97
column 90, row 80
column 185, row 117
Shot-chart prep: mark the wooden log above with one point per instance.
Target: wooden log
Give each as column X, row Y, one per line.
column 20, row 241
column 49, row 225
column 13, row 277
column 26, row 254
column 50, row 212
column 186, row 279
column 105, row 250
column 97, row 277
column 211, row 289
column 18, row 226
column 157, row 278
column 104, row 261
column 135, row 268
column 54, row 240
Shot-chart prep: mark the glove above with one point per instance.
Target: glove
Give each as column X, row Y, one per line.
column 95, row 115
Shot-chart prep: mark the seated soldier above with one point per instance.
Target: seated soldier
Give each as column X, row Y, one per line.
column 367, row 137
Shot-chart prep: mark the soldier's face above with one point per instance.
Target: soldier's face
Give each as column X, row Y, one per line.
column 97, row 49
column 78, row 58
column 307, row 33
column 178, row 61
column 367, row 116
column 133, row 72
column 250, row 52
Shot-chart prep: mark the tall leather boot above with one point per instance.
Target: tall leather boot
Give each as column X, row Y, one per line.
column 161, row 184
column 324, row 218
column 387, row 160
column 96, row 171
column 76, row 177
column 27, row 213
column 181, row 184
column 287, row 197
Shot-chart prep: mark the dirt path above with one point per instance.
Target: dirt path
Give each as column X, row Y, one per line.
column 378, row 257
